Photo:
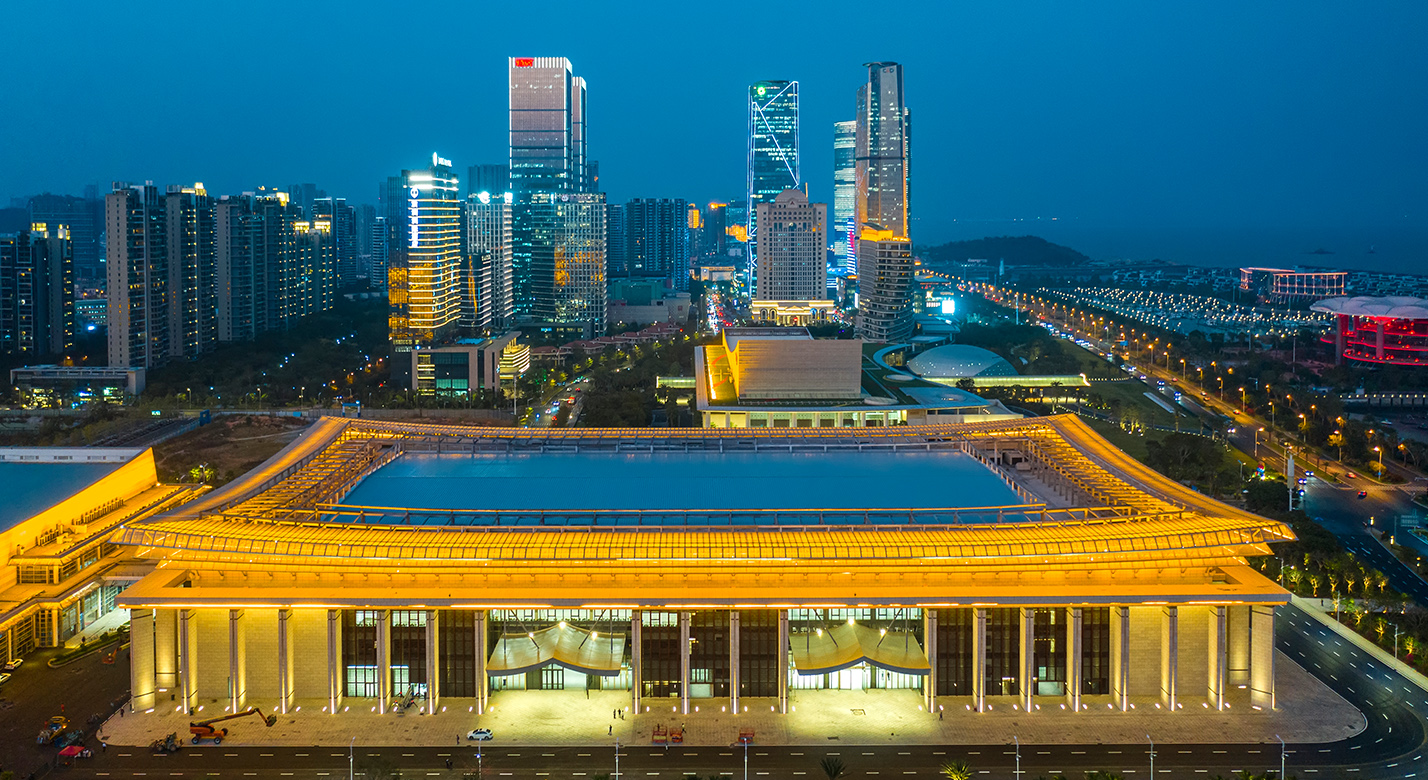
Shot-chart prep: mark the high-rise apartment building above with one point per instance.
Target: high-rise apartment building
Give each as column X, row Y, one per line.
column 792, row 247
column 192, row 273
column 773, row 146
column 343, row 219
column 424, row 277
column 617, row 241
column 37, row 291
column 486, row 285
column 885, row 286
column 882, row 156
column 559, row 244
column 137, row 276
column 845, row 193
column 84, row 218
column 381, row 248
column 657, row 239
column 549, row 138
column 274, row 265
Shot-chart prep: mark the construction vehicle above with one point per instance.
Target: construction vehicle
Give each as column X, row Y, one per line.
column 52, row 728
column 205, row 729
column 169, row 744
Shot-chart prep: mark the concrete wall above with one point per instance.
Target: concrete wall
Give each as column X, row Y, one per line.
column 309, row 627
column 261, row 651
column 1194, row 666
column 212, row 640
column 1145, row 627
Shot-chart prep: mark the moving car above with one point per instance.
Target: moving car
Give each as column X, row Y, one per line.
column 1363, row 494
column 479, row 735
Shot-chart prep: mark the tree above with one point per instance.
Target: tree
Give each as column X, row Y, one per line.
column 832, row 767
column 956, row 771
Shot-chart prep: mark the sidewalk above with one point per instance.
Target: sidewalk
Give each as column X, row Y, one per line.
column 1309, row 712
column 1314, row 610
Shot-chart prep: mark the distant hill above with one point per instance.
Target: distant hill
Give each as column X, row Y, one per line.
column 1015, row 250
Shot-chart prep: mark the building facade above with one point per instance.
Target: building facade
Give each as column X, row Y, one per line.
column 885, row 286
column 486, row 289
column 773, row 161
column 559, row 262
column 845, row 194
column 37, row 312
column 792, row 249
column 342, row 221
column 883, row 149
column 547, row 126
column 274, row 265
column 656, row 237
column 424, row 278
column 137, row 277
column 460, row 369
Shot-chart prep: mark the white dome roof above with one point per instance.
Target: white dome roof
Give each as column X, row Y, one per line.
column 959, row 360
column 1397, row 306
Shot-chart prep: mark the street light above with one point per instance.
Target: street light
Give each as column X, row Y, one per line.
column 1281, row 755
column 1152, row 755
column 349, row 758
column 1018, row 757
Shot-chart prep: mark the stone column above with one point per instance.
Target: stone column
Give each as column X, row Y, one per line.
column 1262, row 657
column 929, row 643
column 1237, row 642
column 384, row 659
column 285, row 661
column 1169, row 655
column 1074, row 618
column 1120, row 657
column 483, row 681
column 684, row 663
column 1218, row 658
column 433, row 662
column 734, row 661
column 637, row 657
column 335, row 687
column 979, row 659
column 188, row 659
column 141, row 660
column 1026, row 670
column 166, row 649
column 237, row 650
column 783, row 655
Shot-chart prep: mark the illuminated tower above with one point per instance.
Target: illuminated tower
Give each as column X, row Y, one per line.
column 845, row 193
column 882, row 151
column 558, row 259
column 773, row 146
column 423, row 283
column 548, row 128
column 37, row 291
column 486, row 284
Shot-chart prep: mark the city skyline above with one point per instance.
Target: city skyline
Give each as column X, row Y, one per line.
column 1054, row 126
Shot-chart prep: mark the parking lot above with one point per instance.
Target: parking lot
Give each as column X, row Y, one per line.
column 35, row 692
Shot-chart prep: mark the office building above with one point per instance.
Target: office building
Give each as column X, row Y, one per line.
column 558, row 259
column 424, row 278
column 343, row 221
column 64, row 387
column 883, row 151
column 488, row 177
column 548, row 146
column 845, row 194
column 885, row 286
column 381, row 252
column 792, row 249
column 715, row 230
column 656, row 237
column 773, row 146
column 461, row 369
column 37, row 291
column 486, row 285
column 305, row 196
column 617, row 241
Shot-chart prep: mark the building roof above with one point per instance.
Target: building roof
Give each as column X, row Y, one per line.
column 31, row 488
column 1405, row 307
column 959, row 360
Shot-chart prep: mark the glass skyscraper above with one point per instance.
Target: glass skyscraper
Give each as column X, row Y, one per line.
column 548, row 130
column 884, row 137
column 845, row 193
column 424, row 281
column 558, row 259
column 773, row 146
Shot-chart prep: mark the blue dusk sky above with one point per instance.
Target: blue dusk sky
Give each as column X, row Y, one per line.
column 1179, row 130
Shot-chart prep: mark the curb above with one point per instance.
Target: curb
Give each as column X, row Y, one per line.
column 119, row 644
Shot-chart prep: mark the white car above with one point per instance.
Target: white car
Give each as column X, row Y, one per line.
column 479, row 735
column 13, row 664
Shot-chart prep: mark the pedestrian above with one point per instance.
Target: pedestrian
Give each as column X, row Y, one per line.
column 611, row 732
column 448, row 763
column 458, row 740
column 939, row 714
column 103, row 747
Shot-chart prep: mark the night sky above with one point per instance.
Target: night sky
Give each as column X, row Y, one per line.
column 1190, row 131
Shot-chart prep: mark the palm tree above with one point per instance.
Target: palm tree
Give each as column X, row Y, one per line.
column 956, row 771
column 833, row 767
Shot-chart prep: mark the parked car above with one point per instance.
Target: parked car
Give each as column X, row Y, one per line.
column 4, row 677
column 13, row 664
column 479, row 735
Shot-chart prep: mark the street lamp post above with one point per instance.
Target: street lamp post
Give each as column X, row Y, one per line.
column 1281, row 755
column 617, row 759
column 1018, row 757
column 350, row 768
column 1152, row 755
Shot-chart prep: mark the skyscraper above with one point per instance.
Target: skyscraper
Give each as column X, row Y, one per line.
column 488, row 177
column 381, row 247
column 885, row 286
column 486, row 288
column 845, row 193
column 37, row 291
column 424, row 279
column 657, row 239
column 773, row 146
column 137, row 271
column 547, row 125
column 617, row 241
column 792, row 245
column 559, row 259
column 883, row 150
column 274, row 265
column 192, row 272
column 84, row 217
column 343, row 219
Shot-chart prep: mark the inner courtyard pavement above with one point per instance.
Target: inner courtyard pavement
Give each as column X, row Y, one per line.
column 1309, row 712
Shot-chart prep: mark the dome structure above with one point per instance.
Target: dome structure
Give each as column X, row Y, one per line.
column 955, row 361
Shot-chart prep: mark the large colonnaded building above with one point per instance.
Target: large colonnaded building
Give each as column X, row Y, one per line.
column 1016, row 562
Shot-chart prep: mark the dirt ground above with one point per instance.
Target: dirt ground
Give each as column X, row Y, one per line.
column 230, row 445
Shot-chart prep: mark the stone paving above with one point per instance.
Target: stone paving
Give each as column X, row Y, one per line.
column 1309, row 712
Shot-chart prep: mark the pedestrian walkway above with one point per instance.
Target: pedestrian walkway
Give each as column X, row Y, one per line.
column 1309, row 712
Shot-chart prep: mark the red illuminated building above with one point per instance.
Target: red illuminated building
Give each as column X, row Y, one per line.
column 1391, row 330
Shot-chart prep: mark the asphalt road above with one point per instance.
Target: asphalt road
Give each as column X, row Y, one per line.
column 77, row 690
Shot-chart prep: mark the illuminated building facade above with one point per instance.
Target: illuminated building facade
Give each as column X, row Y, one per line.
column 773, row 145
column 883, row 150
column 558, row 258
column 548, row 129
column 274, row 265
column 1067, row 575
column 845, row 193
column 424, row 281
column 192, row 272
column 486, row 294
column 1281, row 285
column 381, row 252
column 885, row 286
column 791, row 262
column 1388, row 331
column 37, row 291
column 656, row 238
